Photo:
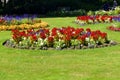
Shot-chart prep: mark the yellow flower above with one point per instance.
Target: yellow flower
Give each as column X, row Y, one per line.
column 37, row 24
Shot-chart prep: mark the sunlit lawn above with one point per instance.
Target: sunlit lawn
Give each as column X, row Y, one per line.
column 89, row 64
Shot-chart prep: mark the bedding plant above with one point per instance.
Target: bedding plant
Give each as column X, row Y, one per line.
column 58, row 38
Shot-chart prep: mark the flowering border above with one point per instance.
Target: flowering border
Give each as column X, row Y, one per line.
column 82, row 20
column 59, row 38
column 24, row 26
column 21, row 22
column 113, row 28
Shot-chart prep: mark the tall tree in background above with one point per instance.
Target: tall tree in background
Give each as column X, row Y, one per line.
column 4, row 2
column 44, row 6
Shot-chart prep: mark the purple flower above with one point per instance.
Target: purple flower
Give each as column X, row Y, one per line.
column 18, row 18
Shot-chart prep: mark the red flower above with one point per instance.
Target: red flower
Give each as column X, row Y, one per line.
column 46, row 31
column 17, row 37
column 103, row 18
column 98, row 18
column 95, row 37
column 81, row 30
column 22, row 33
column 42, row 35
column 54, row 31
column 30, row 30
column 67, row 38
column 82, row 38
column 98, row 32
column 33, row 38
column 78, row 18
column 2, row 21
column 93, row 33
column 15, row 31
column 110, row 18
column 113, row 28
column 14, row 37
column 88, row 30
column 103, row 35
column 50, row 39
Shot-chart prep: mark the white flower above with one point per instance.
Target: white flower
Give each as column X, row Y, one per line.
column 11, row 39
column 24, row 38
column 73, row 32
column 87, row 39
column 41, row 43
column 20, row 43
column 39, row 39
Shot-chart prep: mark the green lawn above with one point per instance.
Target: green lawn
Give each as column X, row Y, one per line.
column 89, row 64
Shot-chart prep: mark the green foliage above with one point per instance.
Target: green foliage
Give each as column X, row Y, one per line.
column 63, row 13
column 116, row 24
column 90, row 13
column 100, row 12
column 116, row 11
column 45, row 6
column 1, row 10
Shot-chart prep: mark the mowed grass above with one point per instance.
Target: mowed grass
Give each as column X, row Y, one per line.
column 88, row 64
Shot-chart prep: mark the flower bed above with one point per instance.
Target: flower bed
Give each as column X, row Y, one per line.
column 9, row 23
column 24, row 26
column 114, row 27
column 93, row 19
column 116, row 18
column 17, row 20
column 58, row 38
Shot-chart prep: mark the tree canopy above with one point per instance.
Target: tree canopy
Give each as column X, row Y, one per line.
column 44, row 6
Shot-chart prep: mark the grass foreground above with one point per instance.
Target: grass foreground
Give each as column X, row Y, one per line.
column 88, row 64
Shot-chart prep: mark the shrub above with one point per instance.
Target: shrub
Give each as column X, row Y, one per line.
column 67, row 13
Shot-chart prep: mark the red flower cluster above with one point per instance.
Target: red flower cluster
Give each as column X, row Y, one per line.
column 85, row 18
column 65, row 34
column 100, row 18
column 17, row 36
column 97, row 18
column 33, row 38
column 42, row 35
column 70, row 33
column 2, row 20
column 113, row 28
column 98, row 34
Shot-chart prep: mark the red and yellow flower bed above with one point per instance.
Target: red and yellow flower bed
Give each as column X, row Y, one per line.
column 114, row 27
column 93, row 19
column 24, row 26
column 58, row 38
column 15, row 24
